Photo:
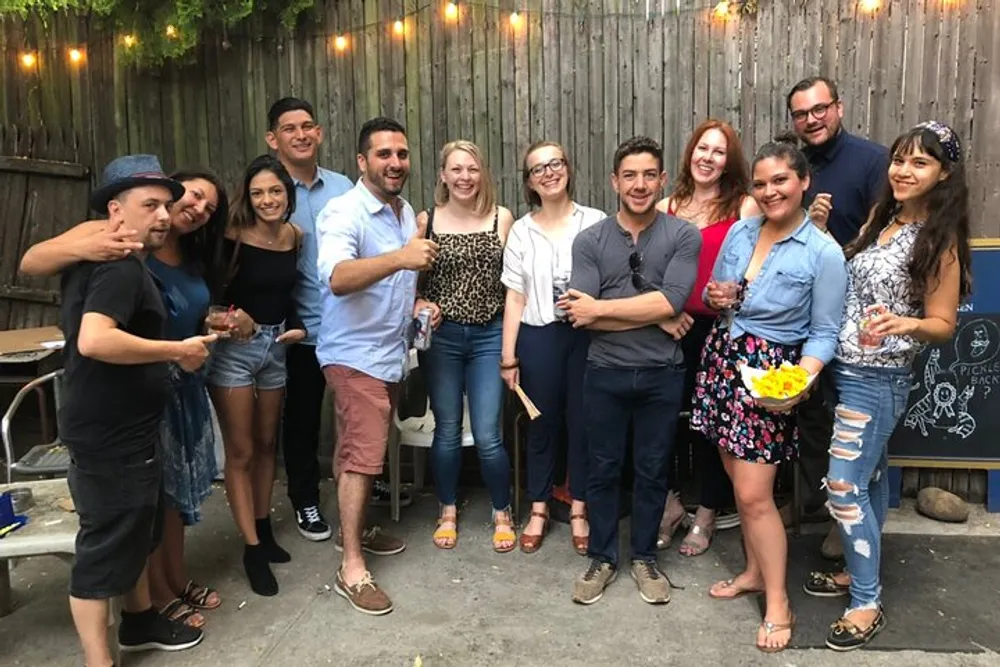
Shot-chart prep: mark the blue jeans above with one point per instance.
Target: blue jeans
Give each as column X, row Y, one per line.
column 649, row 398
column 553, row 359
column 464, row 359
column 872, row 400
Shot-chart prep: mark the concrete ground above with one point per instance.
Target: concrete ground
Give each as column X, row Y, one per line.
column 467, row 607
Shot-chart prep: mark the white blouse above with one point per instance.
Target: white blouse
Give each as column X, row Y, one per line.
column 532, row 261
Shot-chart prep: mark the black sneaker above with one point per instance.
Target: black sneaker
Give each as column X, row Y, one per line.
column 312, row 525
column 151, row 631
column 845, row 636
column 382, row 495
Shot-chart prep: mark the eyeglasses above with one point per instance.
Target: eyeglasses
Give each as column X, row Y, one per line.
column 818, row 112
column 638, row 280
column 555, row 165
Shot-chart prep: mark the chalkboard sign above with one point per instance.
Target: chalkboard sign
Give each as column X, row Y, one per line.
column 953, row 415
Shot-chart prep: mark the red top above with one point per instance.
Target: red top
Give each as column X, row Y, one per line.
column 712, row 237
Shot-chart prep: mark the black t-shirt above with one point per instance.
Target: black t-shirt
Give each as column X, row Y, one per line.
column 111, row 410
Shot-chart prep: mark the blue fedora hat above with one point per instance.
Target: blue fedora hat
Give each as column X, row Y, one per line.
column 131, row 171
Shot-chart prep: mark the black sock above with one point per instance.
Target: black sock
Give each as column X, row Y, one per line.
column 275, row 553
column 258, row 570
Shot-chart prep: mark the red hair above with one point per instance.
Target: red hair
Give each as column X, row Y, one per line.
column 734, row 185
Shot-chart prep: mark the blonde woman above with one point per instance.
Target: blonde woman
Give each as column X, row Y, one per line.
column 537, row 266
column 466, row 298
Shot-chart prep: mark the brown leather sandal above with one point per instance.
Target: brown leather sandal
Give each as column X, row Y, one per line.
column 532, row 543
column 580, row 542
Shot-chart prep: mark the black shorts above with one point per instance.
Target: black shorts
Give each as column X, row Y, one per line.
column 119, row 503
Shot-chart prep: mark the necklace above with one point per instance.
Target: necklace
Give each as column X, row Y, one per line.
column 259, row 236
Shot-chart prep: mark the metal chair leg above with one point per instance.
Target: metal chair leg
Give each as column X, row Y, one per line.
column 114, row 613
column 516, row 510
column 394, row 481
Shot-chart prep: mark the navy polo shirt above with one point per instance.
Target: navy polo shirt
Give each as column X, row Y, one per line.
column 852, row 170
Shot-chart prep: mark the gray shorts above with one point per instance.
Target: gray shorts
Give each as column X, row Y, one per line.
column 258, row 362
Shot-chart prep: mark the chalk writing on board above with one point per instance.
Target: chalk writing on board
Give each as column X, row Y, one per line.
column 946, row 393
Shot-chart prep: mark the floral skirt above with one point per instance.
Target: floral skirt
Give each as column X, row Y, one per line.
column 188, row 444
column 722, row 408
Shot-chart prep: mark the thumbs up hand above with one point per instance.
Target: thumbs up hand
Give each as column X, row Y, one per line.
column 419, row 254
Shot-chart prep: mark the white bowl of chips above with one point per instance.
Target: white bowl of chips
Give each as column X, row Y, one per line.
column 777, row 389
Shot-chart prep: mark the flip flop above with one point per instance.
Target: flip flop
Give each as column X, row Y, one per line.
column 739, row 592
column 771, row 628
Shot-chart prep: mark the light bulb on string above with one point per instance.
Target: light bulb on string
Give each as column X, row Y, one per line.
column 129, row 41
column 451, row 11
column 75, row 56
column 340, row 42
column 171, row 32
column 721, row 10
column 870, row 6
column 515, row 20
column 28, row 60
column 399, row 28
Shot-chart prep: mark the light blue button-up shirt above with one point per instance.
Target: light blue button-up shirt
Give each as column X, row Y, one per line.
column 365, row 330
column 309, row 201
column 798, row 294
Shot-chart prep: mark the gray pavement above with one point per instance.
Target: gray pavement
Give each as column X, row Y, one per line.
column 467, row 607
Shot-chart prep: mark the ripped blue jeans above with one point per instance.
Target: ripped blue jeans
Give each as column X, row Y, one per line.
column 871, row 402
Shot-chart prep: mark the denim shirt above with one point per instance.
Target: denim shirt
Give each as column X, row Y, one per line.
column 309, row 201
column 365, row 330
column 798, row 294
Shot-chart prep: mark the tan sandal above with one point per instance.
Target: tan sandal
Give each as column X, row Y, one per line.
column 446, row 538
column 737, row 591
column 770, row 628
column 532, row 543
column 501, row 536
column 580, row 542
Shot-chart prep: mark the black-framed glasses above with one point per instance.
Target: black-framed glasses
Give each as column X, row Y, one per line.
column 818, row 112
column 635, row 266
column 555, row 165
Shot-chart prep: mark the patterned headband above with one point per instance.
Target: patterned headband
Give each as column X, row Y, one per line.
column 947, row 137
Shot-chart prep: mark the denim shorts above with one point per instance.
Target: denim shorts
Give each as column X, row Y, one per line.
column 258, row 362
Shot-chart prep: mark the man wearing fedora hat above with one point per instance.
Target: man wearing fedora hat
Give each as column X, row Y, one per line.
column 112, row 317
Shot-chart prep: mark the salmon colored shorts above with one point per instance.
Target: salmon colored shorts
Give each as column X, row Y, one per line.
column 363, row 407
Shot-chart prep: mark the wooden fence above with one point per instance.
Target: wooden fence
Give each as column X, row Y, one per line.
column 588, row 73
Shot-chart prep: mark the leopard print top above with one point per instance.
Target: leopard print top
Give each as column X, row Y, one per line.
column 465, row 279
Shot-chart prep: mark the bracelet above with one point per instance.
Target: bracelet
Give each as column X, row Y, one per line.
column 512, row 365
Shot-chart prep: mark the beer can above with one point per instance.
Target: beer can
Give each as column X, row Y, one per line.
column 422, row 338
column 559, row 286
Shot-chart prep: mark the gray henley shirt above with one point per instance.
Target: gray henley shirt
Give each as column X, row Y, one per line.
column 669, row 250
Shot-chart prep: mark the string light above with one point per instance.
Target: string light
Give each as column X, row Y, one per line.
column 75, row 56
column 721, row 10
column 399, row 28
column 28, row 60
column 870, row 6
column 171, row 32
column 515, row 20
column 340, row 42
column 451, row 11
column 129, row 41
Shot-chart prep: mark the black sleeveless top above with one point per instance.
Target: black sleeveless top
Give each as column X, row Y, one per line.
column 263, row 282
